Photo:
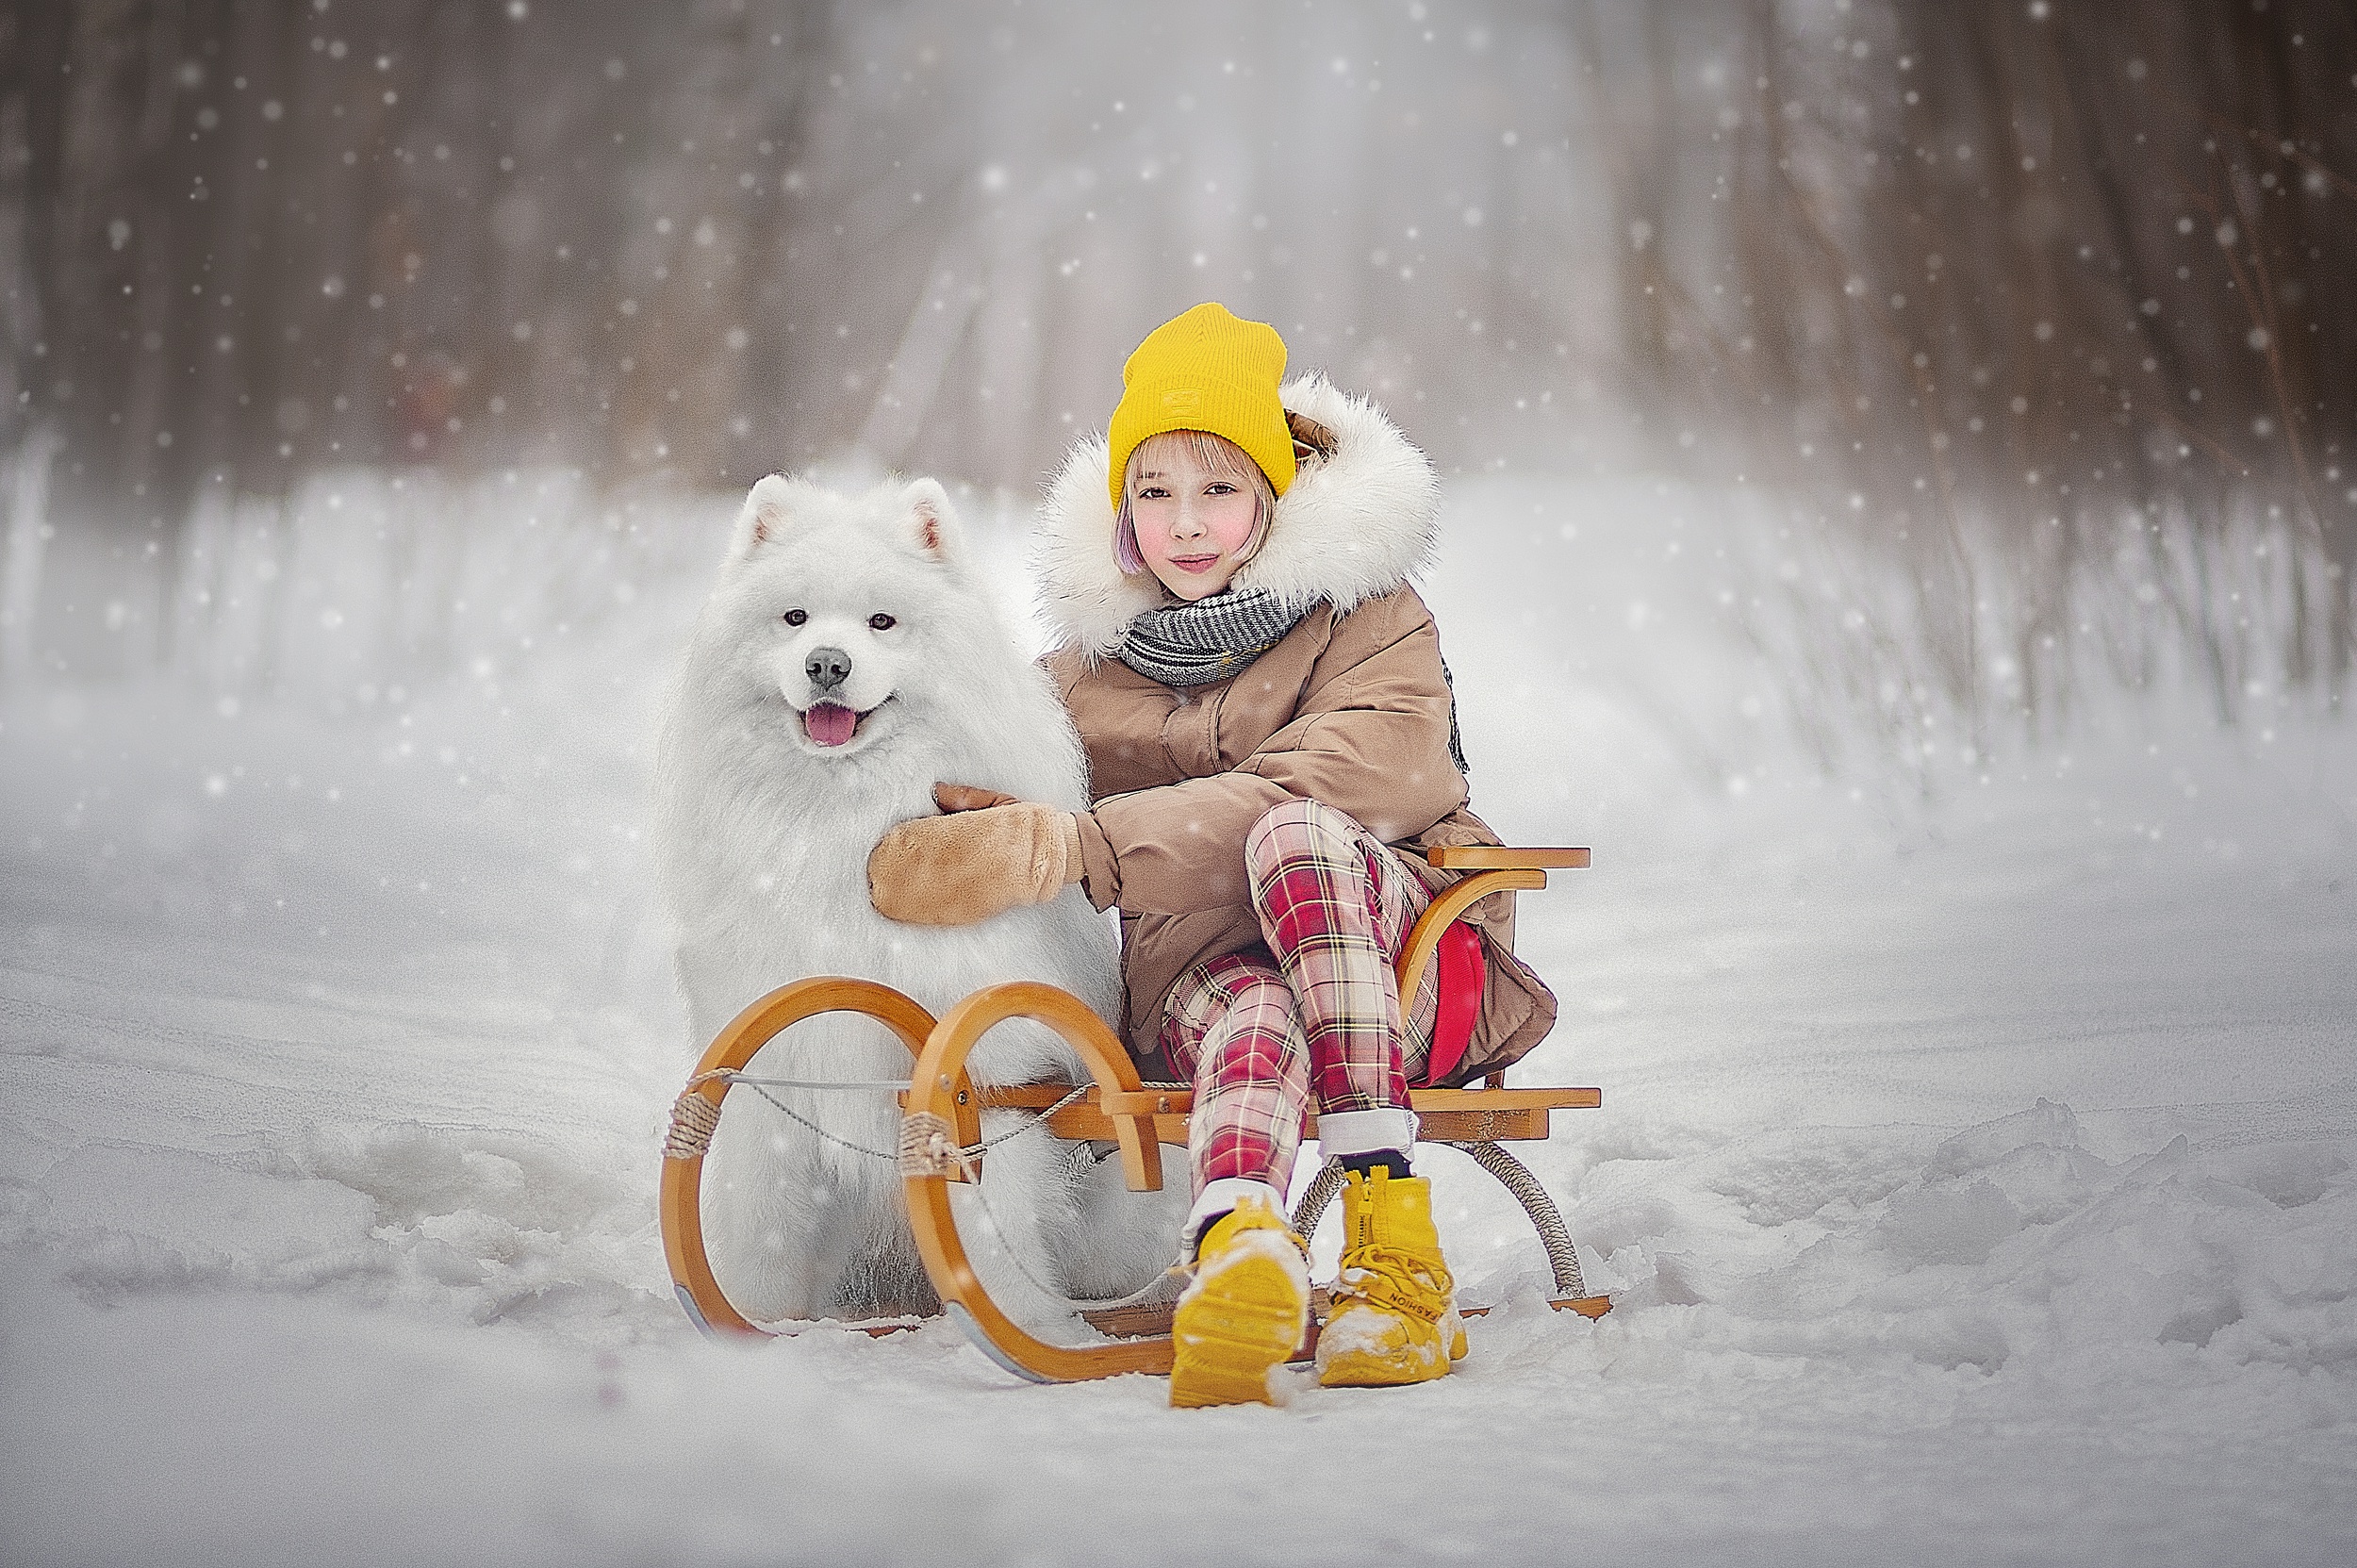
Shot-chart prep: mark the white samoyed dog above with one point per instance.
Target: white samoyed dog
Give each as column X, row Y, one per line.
column 849, row 659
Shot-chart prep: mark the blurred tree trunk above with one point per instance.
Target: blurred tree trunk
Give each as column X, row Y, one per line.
column 2104, row 269
column 2081, row 276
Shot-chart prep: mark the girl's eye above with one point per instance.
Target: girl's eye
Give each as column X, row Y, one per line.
column 1219, row 487
column 881, row 622
column 1152, row 492
column 795, row 617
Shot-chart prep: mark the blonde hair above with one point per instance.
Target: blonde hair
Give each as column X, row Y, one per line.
column 1219, row 454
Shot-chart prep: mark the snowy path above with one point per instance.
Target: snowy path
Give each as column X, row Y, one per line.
column 1978, row 1189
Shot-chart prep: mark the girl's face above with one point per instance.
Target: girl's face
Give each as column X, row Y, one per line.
column 1196, row 523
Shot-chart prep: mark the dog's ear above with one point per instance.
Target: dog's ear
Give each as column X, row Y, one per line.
column 767, row 517
column 931, row 523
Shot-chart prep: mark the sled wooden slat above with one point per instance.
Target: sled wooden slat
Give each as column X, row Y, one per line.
column 1446, row 1116
column 1490, row 868
column 1492, row 857
column 1508, row 1123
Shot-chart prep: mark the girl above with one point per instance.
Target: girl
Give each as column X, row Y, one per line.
column 1272, row 745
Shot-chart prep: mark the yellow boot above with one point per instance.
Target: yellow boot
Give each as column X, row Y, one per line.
column 1394, row 1317
column 1245, row 1311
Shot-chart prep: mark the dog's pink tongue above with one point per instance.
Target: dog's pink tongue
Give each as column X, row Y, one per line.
column 829, row 724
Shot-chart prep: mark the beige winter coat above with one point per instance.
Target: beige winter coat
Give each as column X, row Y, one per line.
column 1348, row 708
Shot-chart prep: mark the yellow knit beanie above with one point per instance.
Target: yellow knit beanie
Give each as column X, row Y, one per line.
column 1205, row 370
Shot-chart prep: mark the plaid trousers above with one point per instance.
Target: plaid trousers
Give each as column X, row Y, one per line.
column 1312, row 1016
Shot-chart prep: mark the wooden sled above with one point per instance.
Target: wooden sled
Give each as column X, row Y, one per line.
column 941, row 1131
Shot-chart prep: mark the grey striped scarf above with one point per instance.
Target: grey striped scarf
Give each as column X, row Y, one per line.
column 1192, row 645
column 1213, row 637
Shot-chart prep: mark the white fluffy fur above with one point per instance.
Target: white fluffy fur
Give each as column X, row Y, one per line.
column 1350, row 529
column 764, row 843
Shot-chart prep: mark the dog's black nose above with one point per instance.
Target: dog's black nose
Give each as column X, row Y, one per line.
column 828, row 667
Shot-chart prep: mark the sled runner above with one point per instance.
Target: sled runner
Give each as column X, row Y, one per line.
column 941, row 1139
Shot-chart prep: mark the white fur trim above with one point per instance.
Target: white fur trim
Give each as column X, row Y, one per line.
column 1219, row 1196
column 1352, row 528
column 1378, row 1131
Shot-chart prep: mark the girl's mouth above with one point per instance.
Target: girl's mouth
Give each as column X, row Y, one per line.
column 1194, row 563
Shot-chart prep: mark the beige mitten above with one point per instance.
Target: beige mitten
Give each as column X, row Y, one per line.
column 987, row 854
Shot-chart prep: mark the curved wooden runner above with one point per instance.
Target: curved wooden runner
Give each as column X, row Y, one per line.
column 681, row 1207
column 939, row 1089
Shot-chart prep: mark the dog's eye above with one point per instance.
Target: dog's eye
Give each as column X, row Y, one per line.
column 881, row 622
column 795, row 617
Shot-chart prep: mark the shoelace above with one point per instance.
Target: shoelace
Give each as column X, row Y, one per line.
column 1393, row 1277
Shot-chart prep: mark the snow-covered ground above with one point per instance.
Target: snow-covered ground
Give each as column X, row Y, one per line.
column 1977, row 1175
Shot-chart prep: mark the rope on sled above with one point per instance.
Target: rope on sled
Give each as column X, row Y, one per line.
column 794, row 1116
column 1323, row 1187
column 693, row 1121
column 817, row 1082
column 1512, row 1175
column 1544, row 1217
column 694, row 1118
column 929, row 1146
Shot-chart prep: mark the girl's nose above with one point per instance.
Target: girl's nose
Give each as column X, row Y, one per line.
column 1188, row 524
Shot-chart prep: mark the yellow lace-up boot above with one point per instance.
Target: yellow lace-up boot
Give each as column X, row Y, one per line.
column 1394, row 1317
column 1245, row 1311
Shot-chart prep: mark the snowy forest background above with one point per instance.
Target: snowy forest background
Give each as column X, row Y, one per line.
column 2013, row 295
column 1898, row 508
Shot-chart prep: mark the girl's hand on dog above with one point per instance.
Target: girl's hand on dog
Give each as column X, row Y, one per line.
column 985, row 854
column 950, row 797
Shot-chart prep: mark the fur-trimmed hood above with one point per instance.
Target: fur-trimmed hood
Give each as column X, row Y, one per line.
column 1352, row 526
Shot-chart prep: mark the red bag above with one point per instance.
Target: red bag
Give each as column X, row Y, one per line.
column 1462, row 972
